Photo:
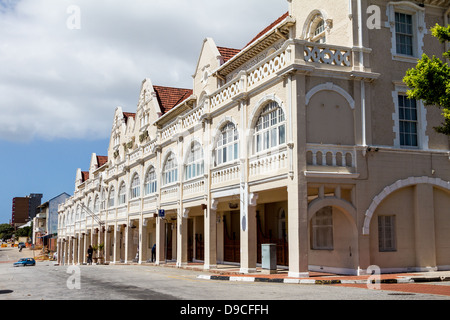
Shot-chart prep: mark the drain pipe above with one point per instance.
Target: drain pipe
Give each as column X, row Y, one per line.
column 361, row 68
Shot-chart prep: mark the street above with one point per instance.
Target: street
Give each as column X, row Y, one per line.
column 47, row 281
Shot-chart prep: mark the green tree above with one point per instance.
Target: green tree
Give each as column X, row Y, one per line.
column 24, row 232
column 6, row 231
column 430, row 80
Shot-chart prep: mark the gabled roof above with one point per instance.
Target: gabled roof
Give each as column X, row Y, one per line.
column 84, row 176
column 257, row 44
column 268, row 28
column 101, row 160
column 227, row 53
column 169, row 97
column 127, row 115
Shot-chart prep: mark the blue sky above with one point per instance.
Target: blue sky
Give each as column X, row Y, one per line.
column 67, row 64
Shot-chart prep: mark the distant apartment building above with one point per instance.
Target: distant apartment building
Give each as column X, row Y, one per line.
column 24, row 209
column 20, row 206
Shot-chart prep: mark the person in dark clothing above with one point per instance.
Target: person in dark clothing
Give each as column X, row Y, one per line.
column 90, row 252
column 154, row 252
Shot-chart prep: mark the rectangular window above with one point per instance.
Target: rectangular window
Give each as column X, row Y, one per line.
column 407, row 111
column 386, row 234
column 404, row 33
column 322, row 229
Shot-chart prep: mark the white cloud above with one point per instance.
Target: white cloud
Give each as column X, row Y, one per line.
column 62, row 83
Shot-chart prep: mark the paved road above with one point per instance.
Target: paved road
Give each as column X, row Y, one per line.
column 47, row 281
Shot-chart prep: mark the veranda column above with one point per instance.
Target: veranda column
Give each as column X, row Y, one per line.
column 70, row 250
column 107, row 245
column 160, row 241
column 297, row 185
column 210, row 241
column 75, row 250
column 85, row 246
column 425, row 239
column 248, row 232
column 81, row 252
column 143, row 241
column 116, row 253
column 65, row 251
column 60, row 251
column 128, row 246
column 182, row 237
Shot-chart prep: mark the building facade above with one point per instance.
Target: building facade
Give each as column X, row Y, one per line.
column 45, row 223
column 304, row 138
column 24, row 209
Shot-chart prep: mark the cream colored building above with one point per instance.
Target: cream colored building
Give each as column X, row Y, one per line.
column 304, row 138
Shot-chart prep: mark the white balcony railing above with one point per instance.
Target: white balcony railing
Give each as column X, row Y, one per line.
column 225, row 173
column 331, row 155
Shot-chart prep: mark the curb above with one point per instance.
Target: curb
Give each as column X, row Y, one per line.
column 322, row 282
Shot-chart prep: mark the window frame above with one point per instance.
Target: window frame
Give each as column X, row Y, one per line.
column 273, row 115
column 227, row 140
column 135, row 188
column 111, row 197
column 405, row 106
column 385, row 235
column 419, row 29
column 322, row 235
column 170, row 173
column 122, row 194
column 195, row 163
column 150, row 181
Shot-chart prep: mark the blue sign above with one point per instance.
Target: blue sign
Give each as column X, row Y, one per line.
column 161, row 213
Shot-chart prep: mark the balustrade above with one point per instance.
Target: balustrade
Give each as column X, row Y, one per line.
column 332, row 156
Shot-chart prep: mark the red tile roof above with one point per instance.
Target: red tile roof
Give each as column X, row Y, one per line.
column 227, row 53
column 84, row 176
column 268, row 28
column 170, row 97
column 101, row 160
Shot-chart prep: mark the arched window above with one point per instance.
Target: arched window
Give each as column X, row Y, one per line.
column 122, row 193
column 170, row 171
column 103, row 200
column 111, row 196
column 150, row 182
column 227, row 147
column 135, row 187
column 194, row 163
column 317, row 30
column 270, row 129
column 96, row 204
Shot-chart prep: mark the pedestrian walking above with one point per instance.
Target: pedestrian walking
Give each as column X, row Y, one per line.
column 154, row 252
column 90, row 252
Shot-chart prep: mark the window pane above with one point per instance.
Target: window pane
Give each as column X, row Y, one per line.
column 282, row 134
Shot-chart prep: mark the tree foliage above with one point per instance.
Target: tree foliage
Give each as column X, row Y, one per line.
column 6, row 231
column 430, row 80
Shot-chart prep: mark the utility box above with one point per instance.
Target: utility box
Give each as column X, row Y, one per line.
column 269, row 258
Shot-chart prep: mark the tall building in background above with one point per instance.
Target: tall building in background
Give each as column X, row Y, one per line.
column 34, row 202
column 24, row 209
column 20, row 207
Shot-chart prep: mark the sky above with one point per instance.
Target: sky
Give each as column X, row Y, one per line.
column 66, row 65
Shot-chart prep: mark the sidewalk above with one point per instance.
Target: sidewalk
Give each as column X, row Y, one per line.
column 231, row 273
